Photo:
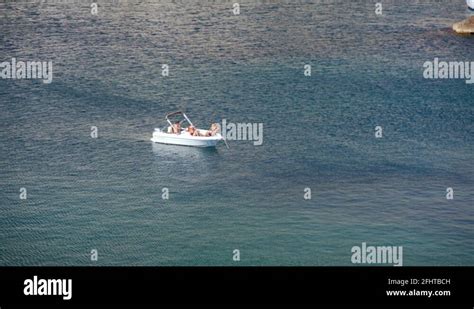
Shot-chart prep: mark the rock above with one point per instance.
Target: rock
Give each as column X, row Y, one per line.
column 465, row 27
column 470, row 4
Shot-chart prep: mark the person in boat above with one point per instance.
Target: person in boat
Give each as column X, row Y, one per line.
column 176, row 128
column 193, row 131
column 213, row 130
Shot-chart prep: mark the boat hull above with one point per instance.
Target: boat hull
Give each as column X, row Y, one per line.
column 185, row 139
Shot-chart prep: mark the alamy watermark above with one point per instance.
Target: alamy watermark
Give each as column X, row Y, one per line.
column 27, row 70
column 377, row 255
column 35, row 286
column 437, row 69
column 242, row 131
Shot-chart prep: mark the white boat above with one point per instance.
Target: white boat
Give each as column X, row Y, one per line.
column 470, row 4
column 184, row 138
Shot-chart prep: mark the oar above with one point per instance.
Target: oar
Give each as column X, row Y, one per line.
column 225, row 142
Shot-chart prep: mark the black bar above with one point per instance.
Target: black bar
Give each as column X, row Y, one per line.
column 190, row 285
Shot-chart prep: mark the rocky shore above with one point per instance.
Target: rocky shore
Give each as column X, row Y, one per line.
column 465, row 27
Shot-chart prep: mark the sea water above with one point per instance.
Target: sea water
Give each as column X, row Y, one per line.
column 79, row 176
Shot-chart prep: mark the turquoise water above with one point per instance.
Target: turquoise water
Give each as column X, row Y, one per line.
column 106, row 193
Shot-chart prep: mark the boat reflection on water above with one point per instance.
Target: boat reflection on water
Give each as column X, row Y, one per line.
column 173, row 152
column 188, row 165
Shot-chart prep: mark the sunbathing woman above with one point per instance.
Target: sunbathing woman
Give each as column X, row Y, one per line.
column 213, row 130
